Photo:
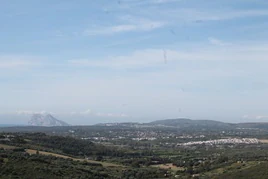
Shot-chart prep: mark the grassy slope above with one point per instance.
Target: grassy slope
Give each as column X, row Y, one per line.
column 7, row 146
column 255, row 172
column 19, row 165
column 237, row 170
column 105, row 164
column 31, row 151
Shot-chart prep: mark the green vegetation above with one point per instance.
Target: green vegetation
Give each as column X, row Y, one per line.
column 16, row 164
column 18, row 159
column 258, row 171
column 133, row 152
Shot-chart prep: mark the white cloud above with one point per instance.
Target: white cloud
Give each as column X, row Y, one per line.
column 111, row 115
column 215, row 41
column 136, row 59
column 29, row 112
column 86, row 112
column 185, row 15
column 225, row 14
column 11, row 61
column 245, row 13
column 156, row 57
column 163, row 1
column 246, row 116
column 261, row 117
column 127, row 4
column 136, row 25
column 89, row 112
column 256, row 117
column 138, row 2
column 145, row 19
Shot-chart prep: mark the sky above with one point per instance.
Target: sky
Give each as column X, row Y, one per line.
column 90, row 62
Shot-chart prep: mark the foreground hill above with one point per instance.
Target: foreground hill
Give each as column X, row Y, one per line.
column 36, row 155
column 256, row 172
column 18, row 164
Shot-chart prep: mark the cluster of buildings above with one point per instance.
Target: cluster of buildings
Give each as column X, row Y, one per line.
column 6, row 137
column 223, row 141
column 144, row 138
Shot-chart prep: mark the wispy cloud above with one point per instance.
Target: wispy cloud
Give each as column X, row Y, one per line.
column 221, row 14
column 256, row 117
column 111, row 115
column 87, row 112
column 137, row 25
column 261, row 117
column 155, row 57
column 90, row 112
column 23, row 112
column 11, row 61
column 201, row 15
column 163, row 1
column 215, row 41
column 136, row 3
column 30, row 112
column 136, row 59
column 144, row 19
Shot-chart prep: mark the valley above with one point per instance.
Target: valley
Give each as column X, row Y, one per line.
column 177, row 149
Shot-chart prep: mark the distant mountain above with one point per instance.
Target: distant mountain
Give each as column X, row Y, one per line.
column 185, row 123
column 45, row 120
column 181, row 123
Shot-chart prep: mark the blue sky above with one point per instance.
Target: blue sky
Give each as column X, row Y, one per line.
column 134, row 60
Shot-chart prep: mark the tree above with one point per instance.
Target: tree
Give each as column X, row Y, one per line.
column 135, row 164
column 99, row 158
column 190, row 170
column 223, row 159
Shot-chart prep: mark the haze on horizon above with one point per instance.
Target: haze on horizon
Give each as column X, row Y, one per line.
column 132, row 60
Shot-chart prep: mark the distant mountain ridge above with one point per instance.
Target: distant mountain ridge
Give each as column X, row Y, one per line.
column 46, row 120
column 184, row 122
column 177, row 123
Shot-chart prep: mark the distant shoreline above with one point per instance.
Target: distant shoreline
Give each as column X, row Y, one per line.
column 11, row 125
